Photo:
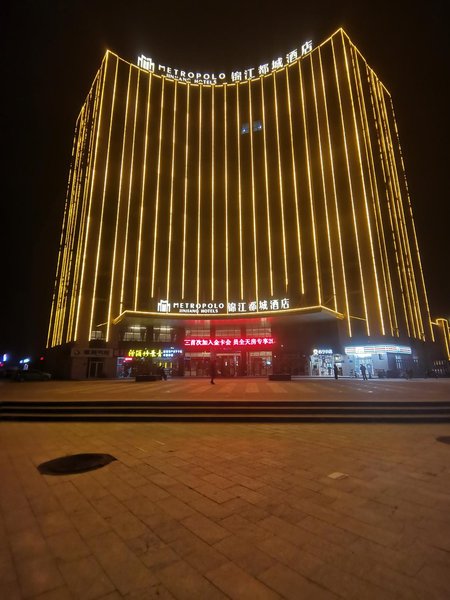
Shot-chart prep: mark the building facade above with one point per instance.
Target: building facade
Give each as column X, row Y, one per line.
column 263, row 223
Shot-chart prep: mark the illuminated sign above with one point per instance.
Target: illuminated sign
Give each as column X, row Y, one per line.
column 377, row 349
column 153, row 353
column 322, row 351
column 91, row 352
column 211, row 308
column 207, row 343
column 190, row 76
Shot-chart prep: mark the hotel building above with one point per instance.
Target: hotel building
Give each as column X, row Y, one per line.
column 260, row 219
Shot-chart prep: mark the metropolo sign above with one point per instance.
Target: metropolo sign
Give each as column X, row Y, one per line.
column 215, row 308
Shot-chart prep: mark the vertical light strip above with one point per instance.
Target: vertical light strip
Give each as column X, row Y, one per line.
column 372, row 178
column 105, row 184
column 324, row 187
column 227, row 284
column 119, row 200
column 91, row 175
column 266, row 178
column 351, row 191
column 255, row 244
column 387, row 187
column 130, row 187
column 294, row 183
column 280, row 181
column 141, row 210
column 404, row 229
column 172, row 177
column 311, row 199
column 158, row 176
column 239, row 188
column 445, row 333
column 336, row 206
column 363, row 182
column 393, row 212
column 212, row 192
column 199, row 211
column 186, row 160
column 416, row 244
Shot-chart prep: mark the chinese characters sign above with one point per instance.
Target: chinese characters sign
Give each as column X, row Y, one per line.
column 213, row 79
column 208, row 343
column 212, row 308
column 153, row 353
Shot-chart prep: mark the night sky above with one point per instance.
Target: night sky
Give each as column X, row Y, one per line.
column 52, row 49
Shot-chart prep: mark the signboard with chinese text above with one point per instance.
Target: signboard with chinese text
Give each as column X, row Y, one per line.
column 235, row 343
column 214, row 308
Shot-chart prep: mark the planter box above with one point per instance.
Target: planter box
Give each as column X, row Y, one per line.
column 280, row 377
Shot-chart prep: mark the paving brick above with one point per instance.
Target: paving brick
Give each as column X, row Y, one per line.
column 244, row 554
column 292, row 585
column 38, row 575
column 239, row 585
column 67, row 545
column 85, row 578
column 185, row 583
column 205, row 528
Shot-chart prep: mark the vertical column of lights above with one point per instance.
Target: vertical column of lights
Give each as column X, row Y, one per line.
column 105, row 184
column 158, row 177
column 81, row 223
column 172, row 173
column 199, row 208
column 373, row 187
column 363, row 182
column 416, row 244
column 186, row 159
column 404, row 230
column 144, row 173
column 119, row 201
column 58, row 279
column 401, row 227
column 387, row 186
column 130, row 186
column 280, row 181
column 239, row 188
column 227, row 285
column 351, row 190
column 255, row 246
column 446, row 334
column 266, row 179
column 403, row 279
column 294, row 182
column 338, row 220
column 91, row 174
column 324, row 187
column 310, row 189
column 212, row 192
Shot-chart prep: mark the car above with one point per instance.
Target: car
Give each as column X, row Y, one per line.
column 32, row 375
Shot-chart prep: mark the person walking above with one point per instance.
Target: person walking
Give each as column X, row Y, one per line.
column 336, row 372
column 363, row 370
column 213, row 370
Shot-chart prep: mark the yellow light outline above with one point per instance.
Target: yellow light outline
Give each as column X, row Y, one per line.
column 338, row 220
column 199, row 189
column 212, row 192
column 185, row 190
column 324, row 186
column 266, row 178
column 280, row 182
column 155, row 230
column 172, row 177
column 239, row 187
column 130, row 185
column 226, row 193
column 311, row 198
column 255, row 247
column 363, row 182
column 446, row 334
column 119, row 199
column 351, row 191
column 294, row 181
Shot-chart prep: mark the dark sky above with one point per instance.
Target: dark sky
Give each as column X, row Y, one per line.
column 51, row 50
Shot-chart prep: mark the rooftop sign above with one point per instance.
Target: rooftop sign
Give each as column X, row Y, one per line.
column 189, row 76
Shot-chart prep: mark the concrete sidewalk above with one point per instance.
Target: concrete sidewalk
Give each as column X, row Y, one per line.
column 243, row 511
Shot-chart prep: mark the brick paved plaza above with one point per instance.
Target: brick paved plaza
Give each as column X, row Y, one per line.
column 244, row 511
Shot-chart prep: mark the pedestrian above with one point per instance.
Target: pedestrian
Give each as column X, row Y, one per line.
column 213, row 370
column 162, row 372
column 362, row 368
column 336, row 371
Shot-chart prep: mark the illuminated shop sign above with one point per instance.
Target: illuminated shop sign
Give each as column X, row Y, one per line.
column 377, row 349
column 147, row 63
column 322, row 351
column 212, row 308
column 207, row 343
column 153, row 353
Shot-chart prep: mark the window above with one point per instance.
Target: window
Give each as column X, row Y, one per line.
column 244, row 128
column 257, row 125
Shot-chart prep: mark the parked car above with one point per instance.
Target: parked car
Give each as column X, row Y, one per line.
column 32, row 375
